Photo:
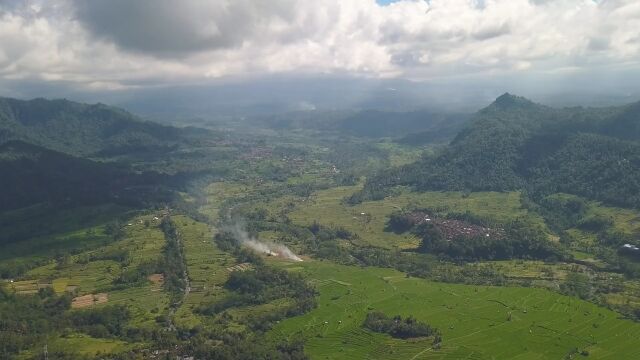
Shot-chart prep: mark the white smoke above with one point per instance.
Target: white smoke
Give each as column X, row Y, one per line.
column 268, row 248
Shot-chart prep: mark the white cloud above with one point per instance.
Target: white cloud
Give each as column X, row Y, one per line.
column 115, row 44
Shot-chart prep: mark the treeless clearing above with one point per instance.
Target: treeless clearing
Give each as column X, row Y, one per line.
column 28, row 287
column 89, row 300
column 156, row 279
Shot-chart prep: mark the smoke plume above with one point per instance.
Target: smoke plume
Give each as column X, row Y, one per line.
column 269, row 248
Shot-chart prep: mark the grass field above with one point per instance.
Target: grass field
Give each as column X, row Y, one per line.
column 399, row 154
column 474, row 320
column 531, row 269
column 83, row 276
column 630, row 296
column 369, row 218
column 206, row 266
column 584, row 243
column 624, row 220
column 81, row 345
column 86, row 345
column 144, row 244
column 217, row 192
column 57, row 232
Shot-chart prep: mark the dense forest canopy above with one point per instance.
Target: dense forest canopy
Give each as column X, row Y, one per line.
column 82, row 129
column 68, row 154
column 32, row 174
column 517, row 144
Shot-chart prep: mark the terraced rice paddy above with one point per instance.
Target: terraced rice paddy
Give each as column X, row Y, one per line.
column 207, row 269
column 477, row 322
column 369, row 218
column 92, row 280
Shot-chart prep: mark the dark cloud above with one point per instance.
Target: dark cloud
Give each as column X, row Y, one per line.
column 123, row 46
column 492, row 32
column 167, row 28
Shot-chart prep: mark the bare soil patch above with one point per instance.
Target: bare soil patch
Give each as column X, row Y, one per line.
column 89, row 300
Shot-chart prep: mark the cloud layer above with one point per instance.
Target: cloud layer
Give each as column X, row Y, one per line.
column 118, row 44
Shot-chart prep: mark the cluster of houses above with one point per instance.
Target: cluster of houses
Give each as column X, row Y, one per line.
column 452, row 229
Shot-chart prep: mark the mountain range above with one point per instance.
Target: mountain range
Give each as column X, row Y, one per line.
column 62, row 152
column 81, row 129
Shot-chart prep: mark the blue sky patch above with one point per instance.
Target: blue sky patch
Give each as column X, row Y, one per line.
column 386, row 2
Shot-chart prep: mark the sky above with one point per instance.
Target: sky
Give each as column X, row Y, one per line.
column 435, row 51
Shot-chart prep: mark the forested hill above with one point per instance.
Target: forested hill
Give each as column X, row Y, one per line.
column 517, row 144
column 81, row 129
column 32, row 174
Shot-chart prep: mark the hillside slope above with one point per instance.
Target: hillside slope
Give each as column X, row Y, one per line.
column 32, row 174
column 517, row 144
column 81, row 129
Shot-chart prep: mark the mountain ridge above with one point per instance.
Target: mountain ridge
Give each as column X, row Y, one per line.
column 81, row 129
column 515, row 144
column 36, row 174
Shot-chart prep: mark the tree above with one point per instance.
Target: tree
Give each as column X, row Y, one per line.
column 578, row 285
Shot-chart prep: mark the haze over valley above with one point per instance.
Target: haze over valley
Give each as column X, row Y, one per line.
column 291, row 179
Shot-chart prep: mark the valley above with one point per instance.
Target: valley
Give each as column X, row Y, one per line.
column 319, row 180
column 501, row 264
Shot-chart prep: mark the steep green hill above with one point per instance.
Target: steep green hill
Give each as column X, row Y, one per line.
column 81, row 129
column 32, row 174
column 517, row 144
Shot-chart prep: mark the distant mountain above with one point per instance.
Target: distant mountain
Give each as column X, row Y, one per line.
column 372, row 123
column 508, row 101
column 81, row 129
column 32, row 174
column 517, row 144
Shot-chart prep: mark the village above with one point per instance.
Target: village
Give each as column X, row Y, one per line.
column 453, row 229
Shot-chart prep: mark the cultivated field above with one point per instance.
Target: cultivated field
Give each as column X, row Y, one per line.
column 477, row 322
column 206, row 266
column 78, row 344
column 216, row 193
column 369, row 218
column 89, row 300
column 91, row 274
column 56, row 232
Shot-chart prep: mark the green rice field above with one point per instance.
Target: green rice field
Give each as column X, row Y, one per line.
column 477, row 322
